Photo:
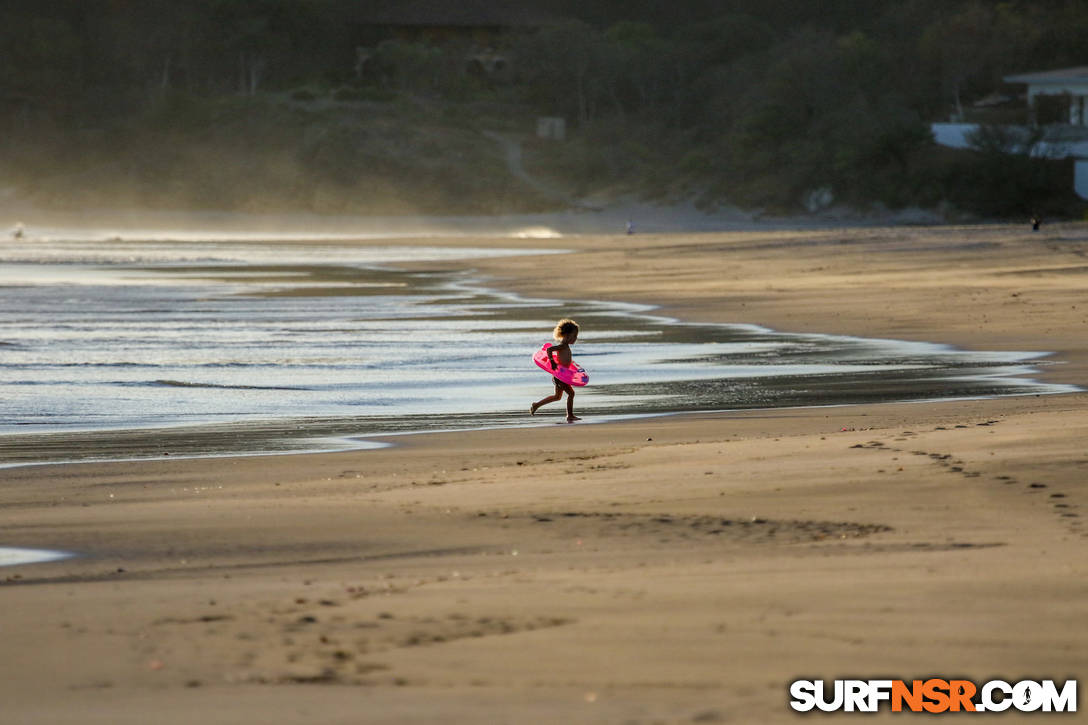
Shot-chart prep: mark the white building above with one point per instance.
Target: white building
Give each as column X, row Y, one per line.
column 1061, row 141
column 1069, row 82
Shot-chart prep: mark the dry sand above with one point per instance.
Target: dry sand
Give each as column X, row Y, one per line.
column 681, row 569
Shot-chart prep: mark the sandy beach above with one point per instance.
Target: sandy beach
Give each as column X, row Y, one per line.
column 676, row 569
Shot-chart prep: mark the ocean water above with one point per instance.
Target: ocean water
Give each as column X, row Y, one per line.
column 147, row 347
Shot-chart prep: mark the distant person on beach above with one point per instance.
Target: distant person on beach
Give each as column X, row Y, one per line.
column 18, row 231
column 630, row 227
column 1036, row 222
column 565, row 334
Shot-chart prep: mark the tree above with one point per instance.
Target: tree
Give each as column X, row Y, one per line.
column 565, row 67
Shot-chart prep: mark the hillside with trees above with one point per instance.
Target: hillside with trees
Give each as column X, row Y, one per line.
column 325, row 105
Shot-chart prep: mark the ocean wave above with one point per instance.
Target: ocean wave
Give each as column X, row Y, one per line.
column 186, row 384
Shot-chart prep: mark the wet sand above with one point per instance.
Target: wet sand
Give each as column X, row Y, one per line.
column 681, row 569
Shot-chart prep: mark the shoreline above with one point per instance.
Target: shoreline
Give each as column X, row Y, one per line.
column 330, row 433
column 680, row 570
column 780, row 281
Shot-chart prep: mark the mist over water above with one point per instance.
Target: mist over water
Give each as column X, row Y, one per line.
column 217, row 347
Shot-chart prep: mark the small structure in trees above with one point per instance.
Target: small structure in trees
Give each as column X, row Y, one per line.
column 485, row 31
column 551, row 127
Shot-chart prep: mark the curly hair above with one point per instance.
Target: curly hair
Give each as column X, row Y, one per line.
column 565, row 329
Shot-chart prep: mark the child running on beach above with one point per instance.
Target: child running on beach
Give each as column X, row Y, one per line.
column 565, row 333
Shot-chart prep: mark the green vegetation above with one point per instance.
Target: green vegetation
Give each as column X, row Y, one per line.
column 259, row 105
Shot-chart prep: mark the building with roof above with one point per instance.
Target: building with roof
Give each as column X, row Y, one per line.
column 439, row 21
column 485, row 31
column 1056, row 100
column 1068, row 87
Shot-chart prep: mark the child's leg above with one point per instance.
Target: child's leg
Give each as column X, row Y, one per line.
column 550, row 399
column 571, row 417
column 543, row 401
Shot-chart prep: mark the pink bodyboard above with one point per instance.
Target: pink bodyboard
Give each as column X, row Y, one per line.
column 571, row 374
